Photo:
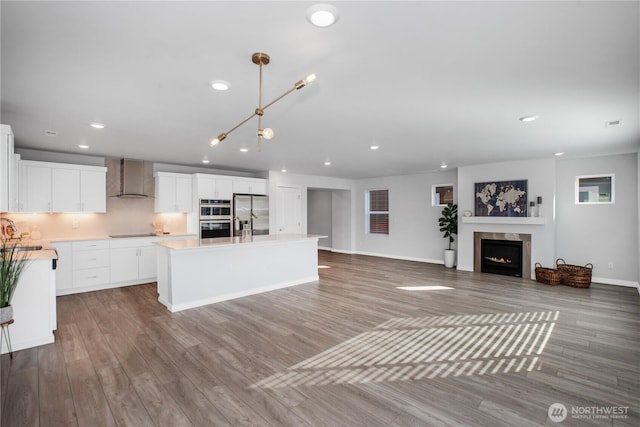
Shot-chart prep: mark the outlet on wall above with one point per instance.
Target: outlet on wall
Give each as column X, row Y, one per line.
column 610, row 265
column 75, row 224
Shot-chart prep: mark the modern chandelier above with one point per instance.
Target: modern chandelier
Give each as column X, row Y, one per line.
column 261, row 59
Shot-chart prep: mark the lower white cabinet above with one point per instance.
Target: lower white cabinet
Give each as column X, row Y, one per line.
column 89, row 265
column 134, row 263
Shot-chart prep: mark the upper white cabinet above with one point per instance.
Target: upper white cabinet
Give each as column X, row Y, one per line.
column 174, row 192
column 58, row 187
column 250, row 186
column 213, row 187
column 8, row 177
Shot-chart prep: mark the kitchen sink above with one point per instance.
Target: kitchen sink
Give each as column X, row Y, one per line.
column 121, row 236
column 25, row 248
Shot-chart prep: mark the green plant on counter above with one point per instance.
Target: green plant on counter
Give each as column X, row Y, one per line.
column 12, row 263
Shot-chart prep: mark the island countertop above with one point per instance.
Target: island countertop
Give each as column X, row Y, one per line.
column 235, row 241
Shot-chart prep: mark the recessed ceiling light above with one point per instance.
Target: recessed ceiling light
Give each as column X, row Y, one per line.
column 83, row 146
column 97, row 125
column 205, row 160
column 527, row 119
column 327, row 163
column 560, row 153
column 220, row 84
column 283, row 170
column 374, row 147
column 443, row 165
column 244, row 150
column 322, row 15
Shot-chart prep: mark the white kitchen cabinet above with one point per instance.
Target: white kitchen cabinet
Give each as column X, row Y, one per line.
column 133, row 264
column 250, row 186
column 64, row 268
column 35, row 187
column 213, row 187
column 90, row 263
column 174, row 192
column 8, row 177
column 57, row 187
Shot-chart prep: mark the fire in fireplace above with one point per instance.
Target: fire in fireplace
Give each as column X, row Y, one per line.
column 501, row 257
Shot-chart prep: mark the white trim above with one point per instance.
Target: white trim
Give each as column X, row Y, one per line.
column 206, row 301
column 401, row 257
column 21, row 345
column 324, row 248
column 616, row 282
column 70, row 291
column 342, row 251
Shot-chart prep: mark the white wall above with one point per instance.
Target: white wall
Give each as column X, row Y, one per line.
column 540, row 176
column 413, row 223
column 320, row 216
column 600, row 233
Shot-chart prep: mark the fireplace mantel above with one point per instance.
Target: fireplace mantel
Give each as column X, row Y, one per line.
column 504, row 220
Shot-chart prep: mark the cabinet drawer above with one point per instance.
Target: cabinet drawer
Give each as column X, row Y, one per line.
column 90, row 277
column 84, row 245
column 90, row 259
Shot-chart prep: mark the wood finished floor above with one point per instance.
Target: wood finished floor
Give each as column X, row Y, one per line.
column 349, row 350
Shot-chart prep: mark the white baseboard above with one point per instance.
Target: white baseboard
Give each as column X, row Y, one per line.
column 401, row 257
column 616, row 282
column 324, row 248
column 206, row 301
column 342, row 251
column 35, row 342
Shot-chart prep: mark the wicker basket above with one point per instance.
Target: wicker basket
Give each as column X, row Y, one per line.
column 574, row 275
column 550, row 276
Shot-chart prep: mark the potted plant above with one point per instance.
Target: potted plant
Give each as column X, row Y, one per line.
column 449, row 226
column 12, row 264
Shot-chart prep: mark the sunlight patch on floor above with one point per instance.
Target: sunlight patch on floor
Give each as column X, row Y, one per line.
column 415, row 348
column 423, row 288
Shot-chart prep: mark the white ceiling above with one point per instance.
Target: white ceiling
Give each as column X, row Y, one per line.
column 427, row 81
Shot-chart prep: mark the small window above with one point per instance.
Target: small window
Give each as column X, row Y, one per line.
column 592, row 189
column 441, row 195
column 377, row 211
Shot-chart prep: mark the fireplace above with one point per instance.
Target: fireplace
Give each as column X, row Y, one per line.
column 524, row 250
column 501, row 257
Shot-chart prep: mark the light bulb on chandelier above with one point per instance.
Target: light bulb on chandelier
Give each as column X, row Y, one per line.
column 261, row 59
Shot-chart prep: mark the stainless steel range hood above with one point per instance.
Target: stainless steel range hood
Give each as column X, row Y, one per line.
column 133, row 180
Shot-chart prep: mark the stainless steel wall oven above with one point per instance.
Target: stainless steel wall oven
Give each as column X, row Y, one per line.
column 215, row 218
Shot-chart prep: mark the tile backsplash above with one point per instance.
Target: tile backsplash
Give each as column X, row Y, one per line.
column 123, row 216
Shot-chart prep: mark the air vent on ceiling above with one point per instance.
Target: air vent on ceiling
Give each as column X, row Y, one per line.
column 612, row 123
column 50, row 132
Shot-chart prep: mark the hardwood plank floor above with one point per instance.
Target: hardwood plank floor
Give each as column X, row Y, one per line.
column 350, row 350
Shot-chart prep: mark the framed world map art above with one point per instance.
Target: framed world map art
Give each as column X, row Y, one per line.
column 501, row 198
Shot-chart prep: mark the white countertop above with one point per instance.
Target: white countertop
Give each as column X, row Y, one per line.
column 107, row 237
column 234, row 241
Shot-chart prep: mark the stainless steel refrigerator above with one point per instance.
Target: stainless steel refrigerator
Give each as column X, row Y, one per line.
column 251, row 211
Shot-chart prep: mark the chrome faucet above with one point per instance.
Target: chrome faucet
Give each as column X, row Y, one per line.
column 11, row 226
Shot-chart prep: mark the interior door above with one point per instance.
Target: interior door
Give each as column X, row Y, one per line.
column 288, row 214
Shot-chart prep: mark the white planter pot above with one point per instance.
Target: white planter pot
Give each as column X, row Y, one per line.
column 6, row 314
column 449, row 258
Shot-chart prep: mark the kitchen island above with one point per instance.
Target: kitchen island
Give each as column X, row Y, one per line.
column 34, row 303
column 193, row 273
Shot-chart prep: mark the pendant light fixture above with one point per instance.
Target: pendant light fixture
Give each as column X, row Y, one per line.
column 261, row 59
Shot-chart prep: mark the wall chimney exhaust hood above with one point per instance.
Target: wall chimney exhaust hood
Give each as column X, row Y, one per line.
column 132, row 180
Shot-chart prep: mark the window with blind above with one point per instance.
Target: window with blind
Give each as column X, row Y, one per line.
column 378, row 212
